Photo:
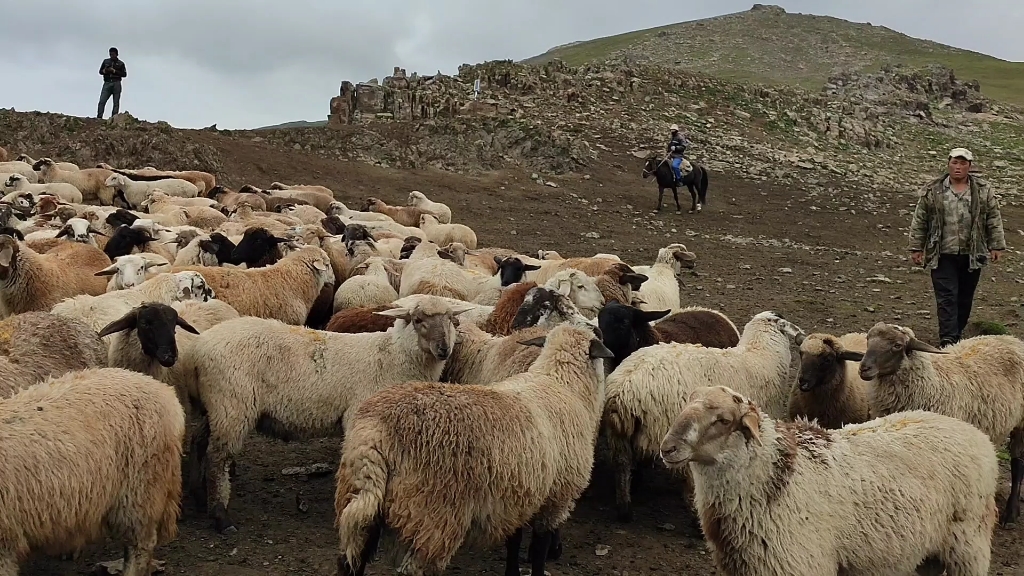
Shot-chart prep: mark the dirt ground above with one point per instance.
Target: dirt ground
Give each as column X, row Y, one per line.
column 807, row 256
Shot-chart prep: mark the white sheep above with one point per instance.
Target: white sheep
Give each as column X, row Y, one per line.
column 342, row 211
column 21, row 168
column 661, row 290
column 133, row 269
column 440, row 277
column 580, row 288
column 69, row 480
column 135, row 193
column 241, row 382
column 476, row 314
column 62, row 190
column 89, row 181
column 69, row 166
column 369, row 287
column 423, row 460
column 979, row 380
column 419, row 200
column 793, row 499
column 444, row 234
column 649, row 388
column 304, row 213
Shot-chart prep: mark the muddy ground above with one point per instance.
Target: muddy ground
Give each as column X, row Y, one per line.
column 810, row 257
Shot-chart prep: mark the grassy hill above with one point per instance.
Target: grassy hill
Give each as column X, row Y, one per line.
column 295, row 124
column 768, row 45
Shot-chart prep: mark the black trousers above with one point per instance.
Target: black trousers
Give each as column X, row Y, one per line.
column 954, row 287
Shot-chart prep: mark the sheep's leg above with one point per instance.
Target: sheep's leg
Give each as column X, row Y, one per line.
column 218, row 486
column 539, row 545
column 512, row 544
column 1011, row 511
column 197, row 473
column 555, row 549
column 623, row 463
column 970, row 553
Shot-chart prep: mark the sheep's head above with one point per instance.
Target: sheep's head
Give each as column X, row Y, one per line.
column 888, row 346
column 12, row 232
column 124, row 240
column 580, row 288
column 353, row 232
column 429, row 219
column 6, row 214
column 409, row 246
column 79, row 230
column 623, row 275
column 243, row 209
column 25, row 158
column 119, row 217
column 821, row 356
column 9, row 249
column 716, row 420
column 320, row 263
column 130, row 270
column 47, row 203
column 155, row 196
column 115, row 181
column 374, row 205
column 456, row 252
column 433, row 320
column 257, row 246
column 337, row 208
column 769, row 318
column 623, row 327
column 15, row 182
column 545, row 307
column 416, row 198
column 154, row 324
column 191, row 285
column 512, row 269
column 548, row 255
column 678, row 257
column 44, row 165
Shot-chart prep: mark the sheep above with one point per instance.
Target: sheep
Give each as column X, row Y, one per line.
column 69, row 166
column 828, row 388
column 580, row 288
column 592, row 267
column 21, row 168
column 37, row 345
column 91, row 182
column 62, row 190
column 125, row 240
column 648, row 389
column 135, row 193
column 618, row 283
column 661, row 290
column 241, row 385
column 301, row 187
column 358, row 320
column 626, row 329
column 476, row 314
column 480, row 358
column 131, row 270
column 285, row 291
column 442, row 234
column 979, row 380
column 510, row 270
column 404, row 215
column 203, row 181
column 548, row 255
column 418, row 200
column 546, row 307
column 228, row 198
column 196, row 214
column 486, row 260
column 34, row 281
column 500, row 321
column 257, row 248
column 440, row 277
column 420, row 458
column 378, row 229
column 337, row 208
column 793, row 499
column 75, row 230
column 301, row 212
column 321, row 199
column 88, row 481
column 370, row 288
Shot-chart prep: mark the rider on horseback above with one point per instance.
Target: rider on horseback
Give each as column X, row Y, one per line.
column 676, row 148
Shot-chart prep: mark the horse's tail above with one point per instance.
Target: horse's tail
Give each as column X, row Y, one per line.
column 704, row 185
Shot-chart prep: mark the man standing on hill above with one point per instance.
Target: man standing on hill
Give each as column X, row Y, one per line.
column 956, row 229
column 112, row 69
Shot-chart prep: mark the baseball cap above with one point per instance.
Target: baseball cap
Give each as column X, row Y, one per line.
column 961, row 153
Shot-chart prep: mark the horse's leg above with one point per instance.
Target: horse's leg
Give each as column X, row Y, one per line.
column 693, row 197
column 661, row 194
column 703, row 188
column 675, row 195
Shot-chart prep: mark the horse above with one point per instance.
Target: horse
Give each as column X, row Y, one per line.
column 695, row 180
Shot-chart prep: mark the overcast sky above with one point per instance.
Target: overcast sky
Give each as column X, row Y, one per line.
column 250, row 63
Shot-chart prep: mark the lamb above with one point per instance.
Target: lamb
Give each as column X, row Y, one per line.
column 203, row 181
column 442, row 234
column 979, row 380
column 242, row 386
column 661, row 290
column 626, row 329
column 69, row 166
column 649, row 388
column 404, row 215
column 828, row 388
column 37, row 345
column 369, row 288
column 91, row 182
column 285, row 291
column 131, row 270
column 62, row 190
column 479, row 358
column 21, row 168
column 135, row 193
column 337, row 208
column 793, row 499
column 419, row 460
column 301, row 187
column 85, row 481
column 441, row 211
column 34, row 281
column 359, row 320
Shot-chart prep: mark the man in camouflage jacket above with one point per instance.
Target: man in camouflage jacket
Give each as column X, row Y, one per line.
column 956, row 229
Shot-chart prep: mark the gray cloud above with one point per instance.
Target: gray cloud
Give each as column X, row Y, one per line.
column 249, row 63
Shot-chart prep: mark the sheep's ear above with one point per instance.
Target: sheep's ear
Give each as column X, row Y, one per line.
column 497, row 260
column 319, row 265
column 851, row 356
column 538, row 341
column 63, row 232
column 750, row 424
column 185, row 325
column 531, row 267
column 634, row 280
column 916, row 345
column 126, row 322
column 684, row 256
column 446, row 255
column 599, row 350
column 6, row 255
column 209, row 246
column 651, row 316
column 564, row 288
column 399, row 313
column 108, row 271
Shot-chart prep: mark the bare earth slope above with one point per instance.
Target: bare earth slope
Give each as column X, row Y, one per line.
column 766, row 44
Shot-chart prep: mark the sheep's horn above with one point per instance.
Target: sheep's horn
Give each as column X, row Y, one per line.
column 916, row 345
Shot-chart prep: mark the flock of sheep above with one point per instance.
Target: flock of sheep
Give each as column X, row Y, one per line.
column 473, row 386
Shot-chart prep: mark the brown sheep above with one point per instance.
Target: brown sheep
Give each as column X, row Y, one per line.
column 500, row 321
column 359, row 320
column 404, row 215
column 34, row 281
column 618, row 283
column 37, row 345
column 229, row 198
column 828, row 387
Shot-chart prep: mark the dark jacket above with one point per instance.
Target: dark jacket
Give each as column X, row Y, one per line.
column 119, row 70
column 677, row 145
column 986, row 222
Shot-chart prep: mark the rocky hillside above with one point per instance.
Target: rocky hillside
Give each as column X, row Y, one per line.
column 767, row 44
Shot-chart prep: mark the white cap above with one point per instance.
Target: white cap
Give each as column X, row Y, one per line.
column 961, row 153
column 674, row 127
